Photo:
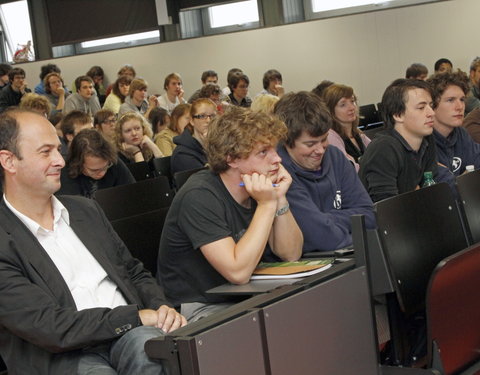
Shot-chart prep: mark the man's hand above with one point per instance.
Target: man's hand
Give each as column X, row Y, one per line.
column 180, row 95
column 152, row 101
column 260, row 188
column 165, row 318
column 280, row 91
column 284, row 180
column 60, row 91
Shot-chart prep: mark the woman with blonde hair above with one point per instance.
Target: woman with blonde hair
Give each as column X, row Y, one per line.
column 345, row 135
column 134, row 139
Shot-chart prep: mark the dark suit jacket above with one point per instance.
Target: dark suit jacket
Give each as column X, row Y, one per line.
column 41, row 331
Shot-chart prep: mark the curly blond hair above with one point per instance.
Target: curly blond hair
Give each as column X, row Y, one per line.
column 234, row 135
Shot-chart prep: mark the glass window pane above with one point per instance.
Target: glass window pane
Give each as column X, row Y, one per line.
column 233, row 14
column 121, row 39
column 18, row 34
column 324, row 5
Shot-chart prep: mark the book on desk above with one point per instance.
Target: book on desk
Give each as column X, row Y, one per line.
column 290, row 270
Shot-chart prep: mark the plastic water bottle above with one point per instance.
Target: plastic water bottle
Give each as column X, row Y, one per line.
column 428, row 179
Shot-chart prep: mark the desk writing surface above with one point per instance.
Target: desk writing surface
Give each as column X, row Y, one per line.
column 255, row 287
column 251, row 288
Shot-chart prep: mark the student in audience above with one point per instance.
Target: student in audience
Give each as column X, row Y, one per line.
column 272, row 83
column 44, row 71
column 120, row 90
column 417, row 71
column 264, row 103
column 136, row 101
column 91, row 165
column 173, row 95
column 134, row 139
column 325, row 190
column 226, row 90
column 213, row 92
column 208, row 77
column 125, row 70
column 190, row 152
column 344, row 134
column 4, row 70
column 11, row 94
column 179, row 119
column 73, row 299
column 443, row 65
column 159, row 119
column 472, row 99
column 84, row 99
column 455, row 148
column 395, row 161
column 223, row 220
column 321, row 87
column 238, row 84
column 55, row 91
column 72, row 124
column 36, row 103
column 472, row 124
column 97, row 75
column 104, row 122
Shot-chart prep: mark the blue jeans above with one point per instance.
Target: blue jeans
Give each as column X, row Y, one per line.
column 125, row 356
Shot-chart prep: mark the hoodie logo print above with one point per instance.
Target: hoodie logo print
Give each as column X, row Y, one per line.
column 337, row 202
column 456, row 163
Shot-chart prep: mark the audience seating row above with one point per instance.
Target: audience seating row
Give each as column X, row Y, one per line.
column 417, row 232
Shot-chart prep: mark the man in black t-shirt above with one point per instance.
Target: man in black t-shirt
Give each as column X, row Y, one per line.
column 222, row 220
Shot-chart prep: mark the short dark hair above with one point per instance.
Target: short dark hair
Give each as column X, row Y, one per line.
column 440, row 82
column 15, row 72
column 415, row 70
column 320, row 88
column 157, row 117
column 441, row 61
column 79, row 80
column 395, row 97
column 233, row 71
column 303, row 111
column 71, row 119
column 88, row 142
column 49, row 68
column 102, row 116
column 208, row 90
column 475, row 64
column 270, row 75
column 4, row 69
column 208, row 73
column 126, row 67
column 95, row 71
column 235, row 79
column 9, row 132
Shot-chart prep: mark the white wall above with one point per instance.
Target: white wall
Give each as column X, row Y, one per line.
column 366, row 51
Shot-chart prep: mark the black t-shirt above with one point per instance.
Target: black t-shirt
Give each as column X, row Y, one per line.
column 202, row 212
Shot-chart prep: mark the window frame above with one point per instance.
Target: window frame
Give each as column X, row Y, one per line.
column 311, row 15
column 209, row 30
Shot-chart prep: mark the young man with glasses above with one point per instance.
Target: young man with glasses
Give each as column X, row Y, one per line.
column 92, row 164
column 11, row 94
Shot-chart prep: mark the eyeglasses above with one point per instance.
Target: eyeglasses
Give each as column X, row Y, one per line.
column 110, row 121
column 203, row 116
column 99, row 170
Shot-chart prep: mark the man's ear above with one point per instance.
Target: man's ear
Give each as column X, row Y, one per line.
column 7, row 160
column 399, row 118
column 232, row 163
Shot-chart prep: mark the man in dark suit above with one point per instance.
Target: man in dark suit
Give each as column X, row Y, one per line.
column 72, row 298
